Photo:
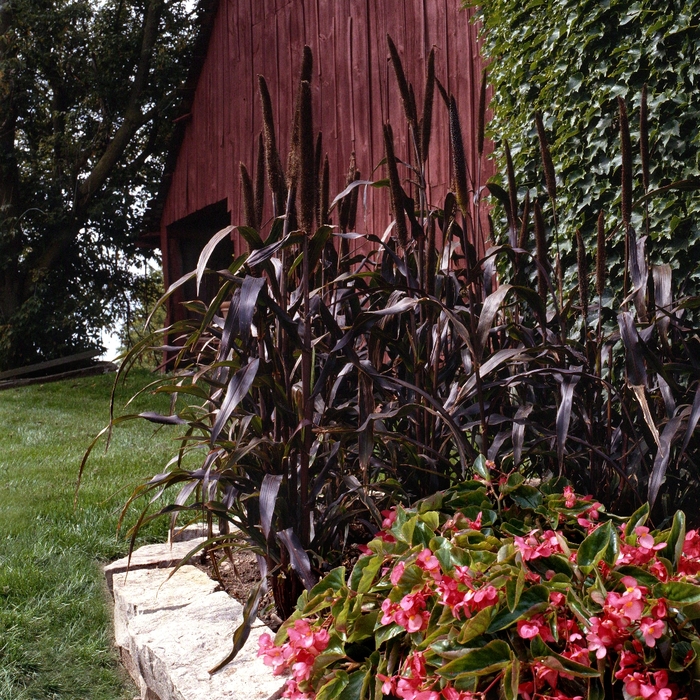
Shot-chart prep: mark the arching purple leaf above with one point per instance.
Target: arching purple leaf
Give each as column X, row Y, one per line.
column 208, row 250
column 298, row 557
column 488, row 313
column 661, row 460
column 519, row 431
column 237, row 389
column 692, row 420
column 163, row 420
column 268, row 497
column 568, row 383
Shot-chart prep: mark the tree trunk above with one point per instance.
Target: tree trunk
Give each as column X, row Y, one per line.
column 9, row 176
column 10, row 246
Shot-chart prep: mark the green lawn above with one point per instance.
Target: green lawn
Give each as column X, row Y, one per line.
column 55, row 621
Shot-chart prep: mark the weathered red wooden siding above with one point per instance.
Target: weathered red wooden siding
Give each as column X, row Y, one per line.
column 354, row 90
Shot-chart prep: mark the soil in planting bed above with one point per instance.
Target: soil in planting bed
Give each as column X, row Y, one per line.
column 239, row 574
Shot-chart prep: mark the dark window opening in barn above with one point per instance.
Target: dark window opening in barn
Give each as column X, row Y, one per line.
column 189, row 236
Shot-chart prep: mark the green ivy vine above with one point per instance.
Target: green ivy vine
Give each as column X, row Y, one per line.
column 571, row 60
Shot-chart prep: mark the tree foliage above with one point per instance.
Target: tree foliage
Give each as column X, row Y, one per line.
column 571, row 60
column 88, row 93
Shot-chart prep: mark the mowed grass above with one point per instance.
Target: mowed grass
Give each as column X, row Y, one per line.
column 55, row 619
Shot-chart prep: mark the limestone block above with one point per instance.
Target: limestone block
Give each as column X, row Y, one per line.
column 150, row 591
column 151, row 556
column 191, row 532
column 174, row 649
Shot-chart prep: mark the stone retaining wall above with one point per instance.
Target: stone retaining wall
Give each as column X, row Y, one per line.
column 170, row 632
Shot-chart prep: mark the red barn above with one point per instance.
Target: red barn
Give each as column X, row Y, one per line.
column 354, row 90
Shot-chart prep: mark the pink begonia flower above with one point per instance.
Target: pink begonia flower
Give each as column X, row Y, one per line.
column 568, row 629
column 631, row 602
column 689, row 565
column 589, row 517
column 389, row 518
column 410, row 612
column 569, row 497
column 644, row 539
column 274, row 655
column 607, row 633
column 413, row 684
column 526, row 690
column 531, row 548
column 475, row 524
column 529, row 629
column 545, row 674
column 643, row 551
column 429, row 562
column 424, row 695
column 578, row 654
column 659, row 570
column 630, row 661
column 649, row 686
column 691, row 544
column 463, row 575
column 292, row 692
column 388, row 684
column 304, row 645
column 652, row 630
column 388, row 608
column 449, row 592
column 397, row 573
column 557, row 598
column 659, row 611
column 482, row 598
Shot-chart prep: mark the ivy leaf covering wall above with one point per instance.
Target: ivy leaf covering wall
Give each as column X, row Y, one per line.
column 572, row 60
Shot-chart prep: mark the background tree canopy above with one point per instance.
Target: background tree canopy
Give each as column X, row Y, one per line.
column 87, row 94
column 571, row 60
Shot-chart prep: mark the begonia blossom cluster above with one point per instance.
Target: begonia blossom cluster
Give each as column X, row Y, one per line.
column 541, row 598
